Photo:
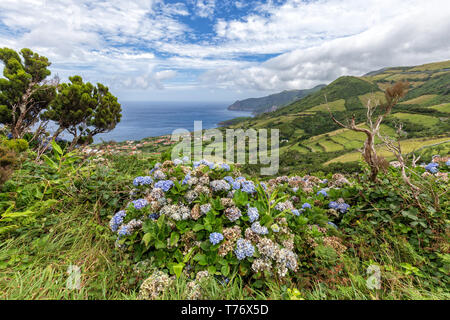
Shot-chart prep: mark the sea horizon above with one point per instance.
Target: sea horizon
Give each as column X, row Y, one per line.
column 142, row 119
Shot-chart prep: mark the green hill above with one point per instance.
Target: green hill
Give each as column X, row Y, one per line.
column 307, row 132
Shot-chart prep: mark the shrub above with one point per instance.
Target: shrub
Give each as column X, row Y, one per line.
column 7, row 161
column 17, row 145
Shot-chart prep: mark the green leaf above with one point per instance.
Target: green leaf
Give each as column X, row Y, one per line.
column 198, row 227
column 225, row 270
column 174, row 237
column 178, row 269
column 147, row 238
column 160, row 244
column 50, row 162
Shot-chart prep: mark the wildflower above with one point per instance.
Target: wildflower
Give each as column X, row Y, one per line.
column 154, row 216
column 258, row 229
column 177, row 162
column 153, row 287
column 228, row 179
column 139, row 181
column 295, row 212
column 261, row 265
column 191, row 195
column 322, row 192
column 286, row 205
column 165, row 185
column 117, row 220
column 332, row 224
column 176, row 212
column 215, row 238
column 244, row 249
column 140, row 203
column 186, row 179
column 306, row 205
column 339, row 206
column 219, row 185
column 275, row 228
column 248, row 187
column 159, row 175
column 186, row 159
column 205, row 208
column 432, row 167
column 124, row 231
column 253, row 214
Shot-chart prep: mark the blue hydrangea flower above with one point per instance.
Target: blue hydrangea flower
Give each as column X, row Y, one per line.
column 447, row 163
column 9, row 136
column 236, row 185
column 211, row 165
column 229, row 179
column 259, row 229
column 306, row 205
column 124, row 231
column 140, row 203
column 225, row 167
column 139, row 181
column 117, row 220
column 248, row 187
column 322, row 192
column 154, row 216
column 295, row 212
column 165, row 185
column 186, row 179
column 339, row 206
column 244, row 249
column 332, row 224
column 215, row 238
column 177, row 162
column 324, row 181
column 253, row 214
column 186, row 159
column 432, row 167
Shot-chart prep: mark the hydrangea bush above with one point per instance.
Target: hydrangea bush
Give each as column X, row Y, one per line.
column 207, row 217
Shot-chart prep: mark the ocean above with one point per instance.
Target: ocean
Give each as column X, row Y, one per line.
column 146, row 119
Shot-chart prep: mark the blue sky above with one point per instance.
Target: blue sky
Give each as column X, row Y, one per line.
column 223, row 50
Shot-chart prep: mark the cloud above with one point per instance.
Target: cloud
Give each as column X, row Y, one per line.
column 246, row 45
column 410, row 37
column 205, row 8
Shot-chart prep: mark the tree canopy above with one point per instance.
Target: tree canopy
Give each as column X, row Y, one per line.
column 83, row 109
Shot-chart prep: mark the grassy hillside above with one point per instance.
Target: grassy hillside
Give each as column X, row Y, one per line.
column 306, row 127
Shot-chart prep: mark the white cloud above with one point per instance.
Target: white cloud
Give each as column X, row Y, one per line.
column 144, row 44
column 408, row 35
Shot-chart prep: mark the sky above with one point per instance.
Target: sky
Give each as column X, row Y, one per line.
column 224, row 50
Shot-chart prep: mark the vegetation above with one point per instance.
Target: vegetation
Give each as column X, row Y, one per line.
column 122, row 221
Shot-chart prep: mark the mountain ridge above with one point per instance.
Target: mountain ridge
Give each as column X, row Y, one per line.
column 273, row 101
